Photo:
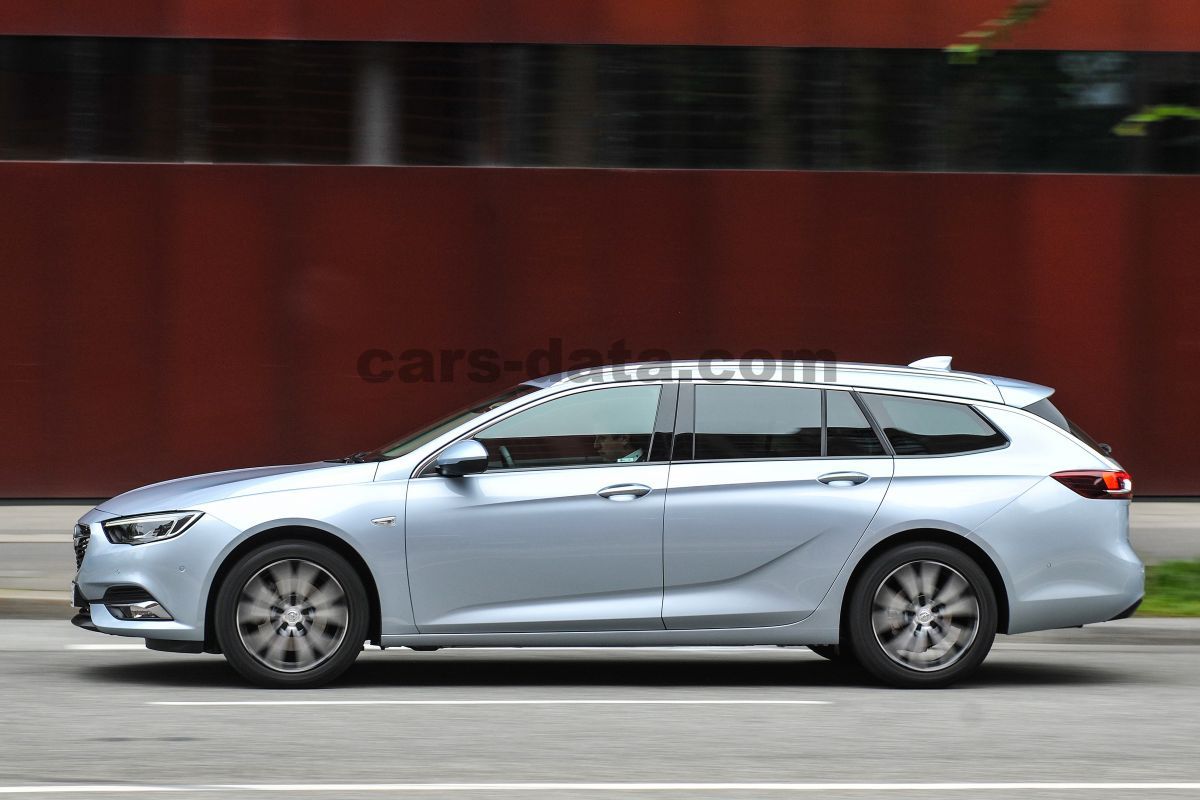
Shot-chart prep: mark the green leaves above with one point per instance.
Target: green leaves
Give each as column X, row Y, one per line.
column 981, row 41
column 1139, row 123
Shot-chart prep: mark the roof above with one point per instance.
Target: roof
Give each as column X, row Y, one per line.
column 927, row 380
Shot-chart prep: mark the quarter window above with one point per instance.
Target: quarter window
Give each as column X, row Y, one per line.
column 602, row 426
column 918, row 427
column 745, row 422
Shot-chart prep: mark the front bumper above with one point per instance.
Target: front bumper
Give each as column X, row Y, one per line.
column 176, row 572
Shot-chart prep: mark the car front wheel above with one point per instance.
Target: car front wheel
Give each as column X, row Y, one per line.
column 922, row 615
column 291, row 614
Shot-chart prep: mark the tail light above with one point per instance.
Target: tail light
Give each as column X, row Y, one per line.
column 1097, row 483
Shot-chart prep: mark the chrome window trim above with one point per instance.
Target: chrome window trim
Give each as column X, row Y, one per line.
column 780, row 458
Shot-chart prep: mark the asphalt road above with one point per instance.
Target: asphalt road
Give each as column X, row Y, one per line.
column 1077, row 714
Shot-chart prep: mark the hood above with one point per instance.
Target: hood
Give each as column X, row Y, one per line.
column 182, row 494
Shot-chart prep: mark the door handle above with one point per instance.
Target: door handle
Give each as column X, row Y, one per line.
column 843, row 478
column 623, row 492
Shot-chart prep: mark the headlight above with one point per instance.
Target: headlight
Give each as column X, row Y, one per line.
column 149, row 527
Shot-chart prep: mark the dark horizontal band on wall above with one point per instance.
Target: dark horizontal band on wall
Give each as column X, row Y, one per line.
column 1065, row 24
column 608, row 106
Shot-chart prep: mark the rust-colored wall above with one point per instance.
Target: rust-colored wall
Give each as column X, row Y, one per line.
column 162, row 320
column 1066, row 24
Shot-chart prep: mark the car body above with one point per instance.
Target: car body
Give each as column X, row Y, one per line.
column 681, row 503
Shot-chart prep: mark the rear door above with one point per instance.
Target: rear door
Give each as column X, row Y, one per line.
column 770, row 488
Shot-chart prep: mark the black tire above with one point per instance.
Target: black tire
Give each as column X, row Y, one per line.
column 331, row 609
column 939, row 609
column 830, row 652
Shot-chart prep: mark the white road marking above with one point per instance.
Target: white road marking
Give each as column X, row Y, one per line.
column 105, row 646
column 82, row 788
column 489, row 702
column 626, row 787
column 137, row 647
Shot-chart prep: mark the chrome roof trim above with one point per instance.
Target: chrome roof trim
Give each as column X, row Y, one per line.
column 967, row 385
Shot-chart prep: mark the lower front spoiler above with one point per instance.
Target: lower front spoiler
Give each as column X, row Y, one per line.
column 84, row 620
column 174, row 646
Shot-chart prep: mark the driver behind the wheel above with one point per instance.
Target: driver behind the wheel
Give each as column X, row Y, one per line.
column 616, row 448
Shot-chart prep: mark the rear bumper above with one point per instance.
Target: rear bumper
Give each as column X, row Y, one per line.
column 1129, row 612
column 1066, row 559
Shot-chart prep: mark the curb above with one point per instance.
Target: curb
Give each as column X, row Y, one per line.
column 29, row 608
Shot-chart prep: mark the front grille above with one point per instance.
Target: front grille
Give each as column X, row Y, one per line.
column 80, row 540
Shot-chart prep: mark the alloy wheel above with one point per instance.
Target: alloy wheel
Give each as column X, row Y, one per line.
column 292, row 615
column 925, row 615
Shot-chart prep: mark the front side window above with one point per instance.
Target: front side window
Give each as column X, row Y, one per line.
column 601, row 426
column 918, row 427
column 751, row 422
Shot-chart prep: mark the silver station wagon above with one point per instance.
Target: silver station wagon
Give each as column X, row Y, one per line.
column 898, row 517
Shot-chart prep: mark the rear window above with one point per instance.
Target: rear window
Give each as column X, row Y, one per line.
column 918, row 427
column 1049, row 412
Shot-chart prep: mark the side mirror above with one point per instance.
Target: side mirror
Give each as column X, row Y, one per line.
column 462, row 458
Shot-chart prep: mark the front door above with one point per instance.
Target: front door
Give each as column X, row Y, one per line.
column 562, row 532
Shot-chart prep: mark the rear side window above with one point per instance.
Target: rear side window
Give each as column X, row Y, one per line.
column 849, row 433
column 745, row 422
column 917, row 427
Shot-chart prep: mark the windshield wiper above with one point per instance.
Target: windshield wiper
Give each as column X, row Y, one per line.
column 356, row 458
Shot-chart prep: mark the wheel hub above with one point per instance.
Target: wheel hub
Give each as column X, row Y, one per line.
column 925, row 615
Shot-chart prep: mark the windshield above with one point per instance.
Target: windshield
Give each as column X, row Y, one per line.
column 414, row 439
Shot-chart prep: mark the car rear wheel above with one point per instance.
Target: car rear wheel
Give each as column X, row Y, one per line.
column 922, row 615
column 291, row 614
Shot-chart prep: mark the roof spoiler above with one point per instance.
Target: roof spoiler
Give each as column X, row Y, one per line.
column 1012, row 392
column 1021, row 393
